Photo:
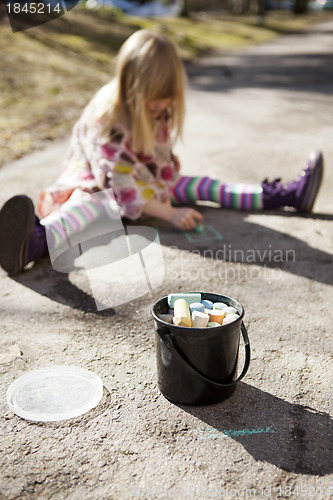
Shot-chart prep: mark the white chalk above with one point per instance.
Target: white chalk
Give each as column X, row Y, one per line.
column 230, row 310
column 199, row 319
column 230, row 318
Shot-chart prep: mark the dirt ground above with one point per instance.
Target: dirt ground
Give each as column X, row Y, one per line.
column 254, row 114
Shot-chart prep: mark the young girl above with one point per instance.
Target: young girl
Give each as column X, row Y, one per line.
column 122, row 144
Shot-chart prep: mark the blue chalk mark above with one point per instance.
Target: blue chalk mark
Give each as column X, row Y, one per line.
column 215, row 434
column 208, row 233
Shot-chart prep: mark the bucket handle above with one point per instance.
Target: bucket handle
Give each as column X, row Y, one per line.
column 165, row 337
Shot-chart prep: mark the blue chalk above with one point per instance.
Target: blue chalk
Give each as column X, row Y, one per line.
column 189, row 297
column 197, row 306
column 208, row 304
column 198, row 227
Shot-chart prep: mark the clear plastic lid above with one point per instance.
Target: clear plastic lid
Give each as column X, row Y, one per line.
column 54, row 393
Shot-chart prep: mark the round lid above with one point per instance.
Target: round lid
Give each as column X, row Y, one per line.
column 54, row 393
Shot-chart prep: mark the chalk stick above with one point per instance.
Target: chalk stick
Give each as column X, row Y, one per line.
column 197, row 306
column 178, row 322
column 212, row 324
column 230, row 318
column 219, row 305
column 215, row 315
column 207, row 303
column 182, row 312
column 230, row 310
column 189, row 297
column 198, row 227
column 166, row 317
column 199, row 319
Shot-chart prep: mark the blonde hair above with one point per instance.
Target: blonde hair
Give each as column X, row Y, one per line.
column 148, row 68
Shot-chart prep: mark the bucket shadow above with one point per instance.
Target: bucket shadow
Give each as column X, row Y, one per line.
column 293, row 437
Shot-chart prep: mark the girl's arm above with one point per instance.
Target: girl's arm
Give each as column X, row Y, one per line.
column 183, row 218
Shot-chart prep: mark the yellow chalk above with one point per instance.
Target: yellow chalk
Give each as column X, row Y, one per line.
column 182, row 313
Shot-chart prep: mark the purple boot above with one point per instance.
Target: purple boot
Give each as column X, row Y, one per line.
column 22, row 237
column 299, row 193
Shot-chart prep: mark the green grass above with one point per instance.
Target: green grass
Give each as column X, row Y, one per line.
column 49, row 73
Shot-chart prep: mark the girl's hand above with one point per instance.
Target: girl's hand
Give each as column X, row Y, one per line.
column 176, row 162
column 185, row 218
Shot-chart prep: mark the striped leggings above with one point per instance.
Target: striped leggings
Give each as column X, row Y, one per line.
column 79, row 214
column 228, row 195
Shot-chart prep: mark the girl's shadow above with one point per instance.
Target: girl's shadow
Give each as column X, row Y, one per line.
column 293, row 437
column 43, row 279
column 236, row 241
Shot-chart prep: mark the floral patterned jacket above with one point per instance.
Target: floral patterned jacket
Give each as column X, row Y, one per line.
column 92, row 166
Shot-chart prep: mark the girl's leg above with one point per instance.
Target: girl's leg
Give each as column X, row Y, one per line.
column 228, row 195
column 300, row 193
column 86, row 219
column 24, row 238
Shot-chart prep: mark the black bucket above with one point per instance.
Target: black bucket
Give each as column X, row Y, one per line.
column 198, row 366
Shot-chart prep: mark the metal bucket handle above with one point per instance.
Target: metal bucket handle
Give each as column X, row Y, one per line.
column 166, row 339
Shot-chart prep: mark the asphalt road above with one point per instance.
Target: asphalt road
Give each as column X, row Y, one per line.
column 254, row 114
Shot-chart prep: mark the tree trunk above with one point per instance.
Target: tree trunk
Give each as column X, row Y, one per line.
column 185, row 12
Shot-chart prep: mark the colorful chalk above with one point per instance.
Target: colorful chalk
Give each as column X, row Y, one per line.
column 190, row 298
column 197, row 306
column 215, row 315
column 182, row 313
column 199, row 319
column 198, row 227
column 188, row 310
column 178, row 322
column 230, row 310
column 230, row 318
column 166, row 317
column 219, row 305
column 207, row 303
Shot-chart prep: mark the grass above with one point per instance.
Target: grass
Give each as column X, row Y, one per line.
column 49, row 73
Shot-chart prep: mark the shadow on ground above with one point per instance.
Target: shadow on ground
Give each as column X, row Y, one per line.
column 43, row 279
column 293, row 72
column 292, row 437
column 237, row 241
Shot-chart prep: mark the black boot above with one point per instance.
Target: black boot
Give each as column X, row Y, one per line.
column 22, row 237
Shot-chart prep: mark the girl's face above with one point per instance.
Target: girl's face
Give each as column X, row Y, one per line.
column 157, row 106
